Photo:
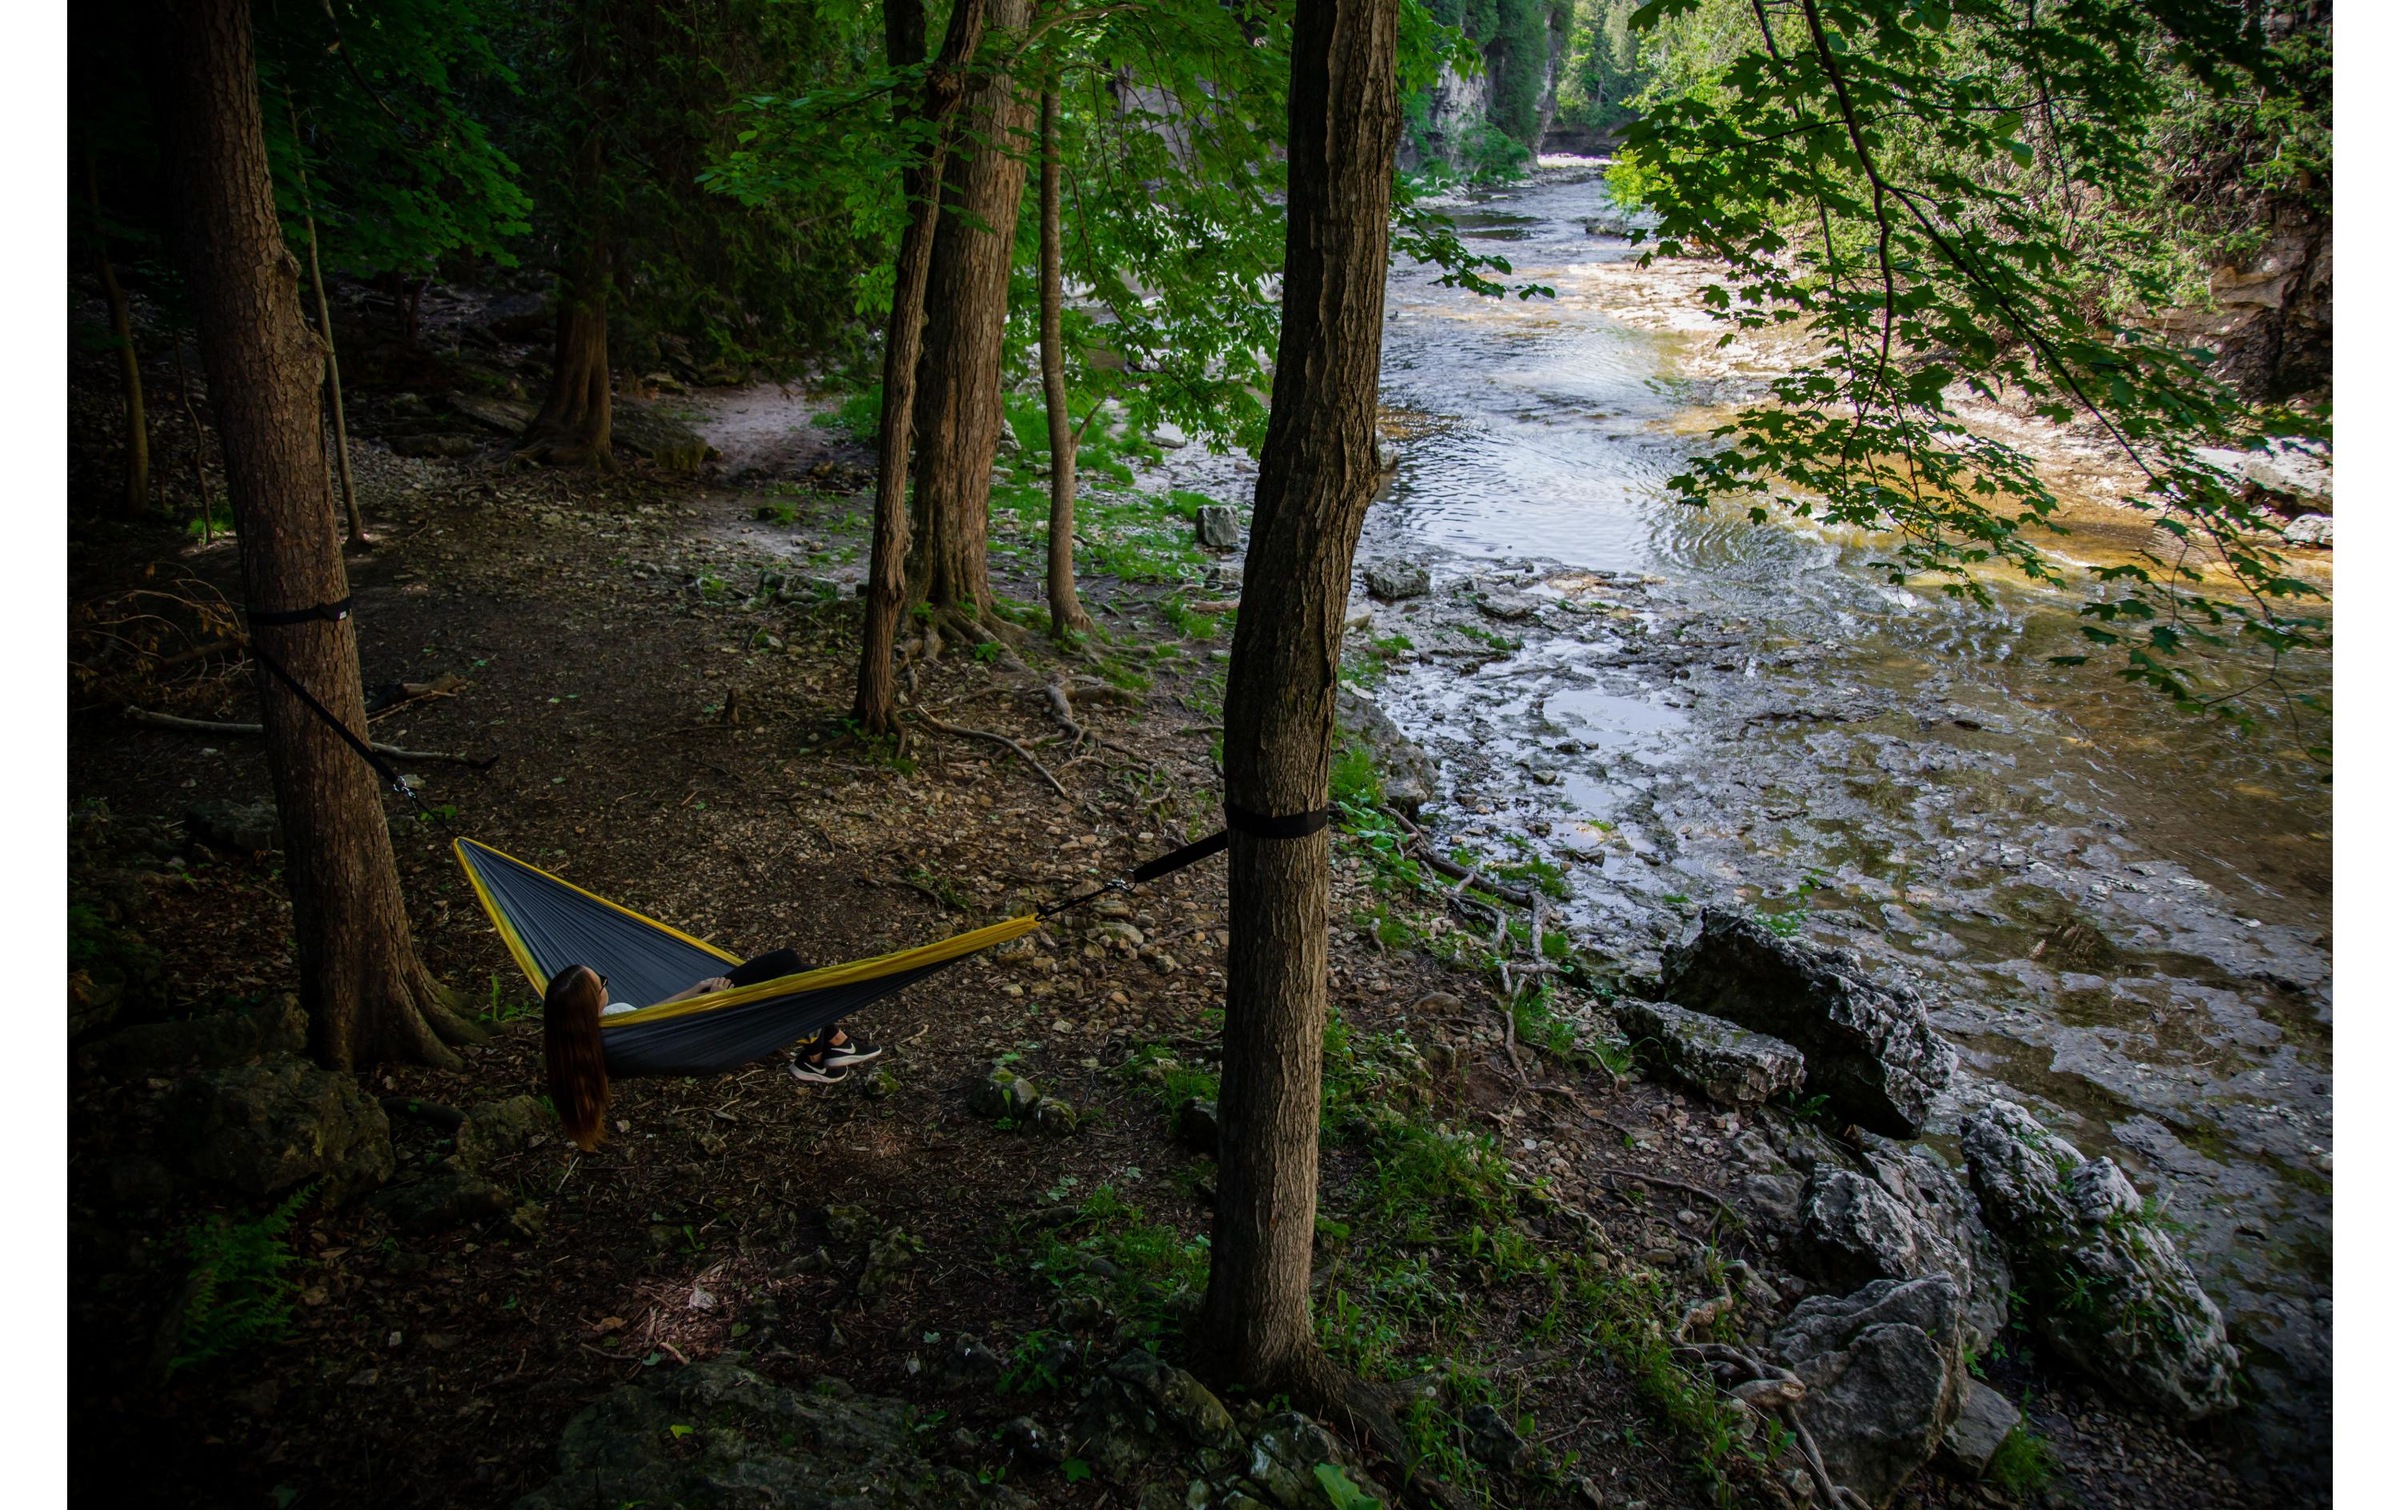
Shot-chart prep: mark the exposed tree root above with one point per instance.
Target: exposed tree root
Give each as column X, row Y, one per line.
column 1023, row 754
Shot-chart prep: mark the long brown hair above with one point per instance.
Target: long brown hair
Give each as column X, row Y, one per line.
column 571, row 1045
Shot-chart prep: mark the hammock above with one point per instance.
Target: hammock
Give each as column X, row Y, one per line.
column 549, row 924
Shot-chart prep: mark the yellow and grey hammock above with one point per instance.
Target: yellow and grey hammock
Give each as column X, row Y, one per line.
column 549, row 924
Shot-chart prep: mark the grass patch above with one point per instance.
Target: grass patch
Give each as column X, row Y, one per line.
column 1146, row 1274
column 2023, row 1464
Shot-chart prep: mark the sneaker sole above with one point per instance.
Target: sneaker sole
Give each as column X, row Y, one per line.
column 834, row 1075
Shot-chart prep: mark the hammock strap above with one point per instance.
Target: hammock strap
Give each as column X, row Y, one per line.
column 1238, row 820
column 334, row 613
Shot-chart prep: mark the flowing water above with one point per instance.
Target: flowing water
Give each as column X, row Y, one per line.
column 2120, row 914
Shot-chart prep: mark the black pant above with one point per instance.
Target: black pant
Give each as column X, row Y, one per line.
column 766, row 967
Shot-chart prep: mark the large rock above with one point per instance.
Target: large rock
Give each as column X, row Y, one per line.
column 1004, row 1093
column 649, row 431
column 1871, row 1052
column 1217, row 526
column 1730, row 1065
column 1141, row 1406
column 207, row 1043
column 2105, row 1285
column 1884, row 1370
column 266, row 1127
column 443, row 1198
column 496, row 1129
column 1985, row 1418
column 1906, row 1217
column 508, row 416
column 1409, row 774
column 717, row 1437
column 1392, row 581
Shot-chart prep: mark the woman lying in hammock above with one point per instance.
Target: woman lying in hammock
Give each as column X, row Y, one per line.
column 578, row 1071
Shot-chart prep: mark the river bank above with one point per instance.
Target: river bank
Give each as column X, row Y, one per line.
column 2122, row 914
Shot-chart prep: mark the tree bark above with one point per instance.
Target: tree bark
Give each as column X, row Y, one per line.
column 1066, row 612
column 129, row 362
column 333, row 365
column 959, row 411
column 1316, row 476
column 368, row 996
column 876, row 708
column 572, row 429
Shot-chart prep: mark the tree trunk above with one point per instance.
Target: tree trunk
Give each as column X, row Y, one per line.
column 958, row 396
column 876, row 708
column 333, row 365
column 1316, row 476
column 368, row 996
column 1066, row 613
column 572, row 429
column 129, row 362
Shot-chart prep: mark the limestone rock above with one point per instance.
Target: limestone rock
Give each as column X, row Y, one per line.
column 266, row 1127
column 648, row 430
column 717, row 1437
column 1392, row 581
column 1409, row 774
column 2107, row 1287
column 445, row 1198
column 1054, row 1117
column 208, row 1043
column 1906, row 1218
column 1284, row 1455
column 433, row 443
column 1883, row 1369
column 1871, row 1052
column 1493, row 1441
column 1140, row 1406
column 1004, row 1093
column 1217, row 526
column 508, row 416
column 1507, row 604
column 1730, row 1065
column 496, row 1129
column 1985, row 1418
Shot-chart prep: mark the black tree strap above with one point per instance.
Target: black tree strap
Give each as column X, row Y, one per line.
column 366, row 751
column 331, row 613
column 1287, row 826
column 1238, row 820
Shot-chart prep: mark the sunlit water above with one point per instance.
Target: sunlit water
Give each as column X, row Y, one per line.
column 2119, row 913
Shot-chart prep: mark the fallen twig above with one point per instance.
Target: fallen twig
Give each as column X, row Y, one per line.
column 1023, row 754
column 208, row 726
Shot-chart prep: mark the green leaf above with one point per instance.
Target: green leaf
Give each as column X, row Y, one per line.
column 1341, row 1493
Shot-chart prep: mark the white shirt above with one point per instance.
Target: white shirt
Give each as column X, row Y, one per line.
column 614, row 1007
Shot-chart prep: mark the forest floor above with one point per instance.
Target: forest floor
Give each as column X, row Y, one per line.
column 662, row 669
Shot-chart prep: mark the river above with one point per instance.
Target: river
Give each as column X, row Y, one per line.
column 2119, row 913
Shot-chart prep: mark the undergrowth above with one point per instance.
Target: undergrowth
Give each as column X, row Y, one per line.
column 236, row 1294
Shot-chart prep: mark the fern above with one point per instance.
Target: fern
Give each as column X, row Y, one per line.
column 237, row 1295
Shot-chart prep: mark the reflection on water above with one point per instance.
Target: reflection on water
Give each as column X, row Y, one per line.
column 2121, row 910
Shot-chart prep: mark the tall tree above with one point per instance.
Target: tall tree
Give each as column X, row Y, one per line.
column 573, row 426
column 1316, row 477
column 944, row 86
column 959, row 389
column 1066, row 613
column 369, row 997
column 129, row 362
